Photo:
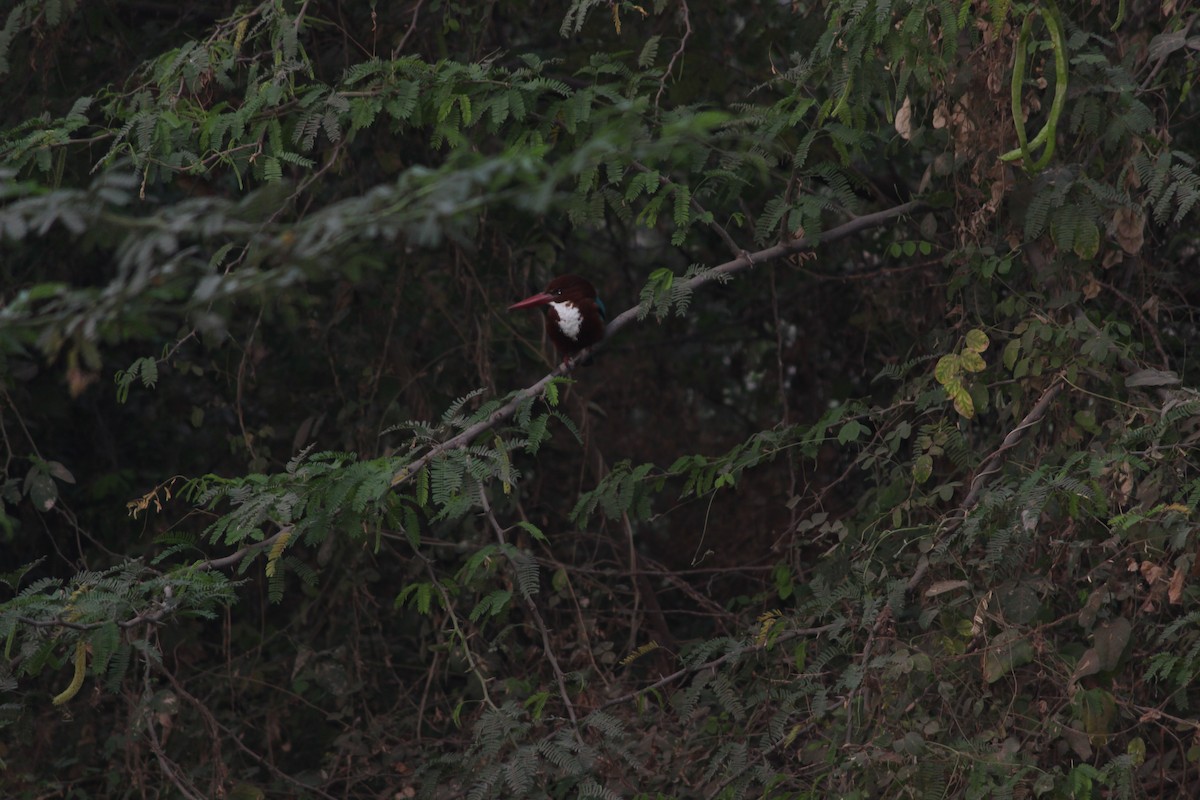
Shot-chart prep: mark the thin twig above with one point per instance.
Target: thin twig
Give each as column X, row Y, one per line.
column 169, row 768
column 458, row 631
column 300, row 16
column 234, row 558
column 687, row 34
column 885, row 614
column 1141, row 315
column 241, row 376
column 547, row 647
column 216, row 727
column 991, row 464
column 716, row 662
column 1162, row 59
column 412, row 26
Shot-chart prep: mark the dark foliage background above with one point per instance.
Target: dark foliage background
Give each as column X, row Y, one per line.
column 887, row 488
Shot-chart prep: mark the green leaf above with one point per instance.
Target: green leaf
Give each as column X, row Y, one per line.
column 560, row 580
column 424, row 597
column 1098, row 708
column 1087, row 420
column 649, row 52
column 419, row 595
column 851, row 431
column 963, row 403
column 41, row 488
column 947, row 370
column 971, row 361
column 533, row 530
column 412, row 527
column 422, row 490
column 922, row 468
column 494, row 604
column 536, row 703
column 1011, row 351
column 1087, row 241
column 977, row 340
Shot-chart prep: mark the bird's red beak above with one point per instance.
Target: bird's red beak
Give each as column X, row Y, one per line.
column 540, row 299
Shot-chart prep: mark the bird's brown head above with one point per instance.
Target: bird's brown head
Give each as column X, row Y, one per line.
column 575, row 316
column 563, row 289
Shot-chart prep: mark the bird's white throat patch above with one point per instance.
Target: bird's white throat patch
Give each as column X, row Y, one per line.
column 570, row 320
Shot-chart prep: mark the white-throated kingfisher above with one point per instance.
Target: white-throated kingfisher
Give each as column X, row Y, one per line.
column 575, row 317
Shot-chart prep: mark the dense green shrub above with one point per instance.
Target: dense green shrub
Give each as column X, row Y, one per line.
column 883, row 484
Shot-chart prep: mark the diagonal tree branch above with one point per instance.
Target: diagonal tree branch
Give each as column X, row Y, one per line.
column 627, row 317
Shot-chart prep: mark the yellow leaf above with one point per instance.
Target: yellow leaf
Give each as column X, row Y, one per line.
column 641, row 651
column 947, row 369
column 277, row 551
column 971, row 361
column 977, row 340
column 766, row 622
column 963, row 403
column 76, row 679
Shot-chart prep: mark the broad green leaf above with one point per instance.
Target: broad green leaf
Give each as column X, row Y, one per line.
column 947, row 370
column 963, row 403
column 977, row 340
column 1011, row 351
column 41, row 488
column 971, row 361
column 850, row 431
column 923, row 468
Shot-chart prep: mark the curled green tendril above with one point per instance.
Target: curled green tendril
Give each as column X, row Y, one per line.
column 1045, row 136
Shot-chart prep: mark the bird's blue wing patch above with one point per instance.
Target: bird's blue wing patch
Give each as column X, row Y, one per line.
column 603, row 310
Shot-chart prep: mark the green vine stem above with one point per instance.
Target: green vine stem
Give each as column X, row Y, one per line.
column 1046, row 135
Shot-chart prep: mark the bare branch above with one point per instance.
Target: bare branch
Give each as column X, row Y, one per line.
column 627, row 317
column 687, row 34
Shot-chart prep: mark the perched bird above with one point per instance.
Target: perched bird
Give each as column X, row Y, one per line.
column 575, row 317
